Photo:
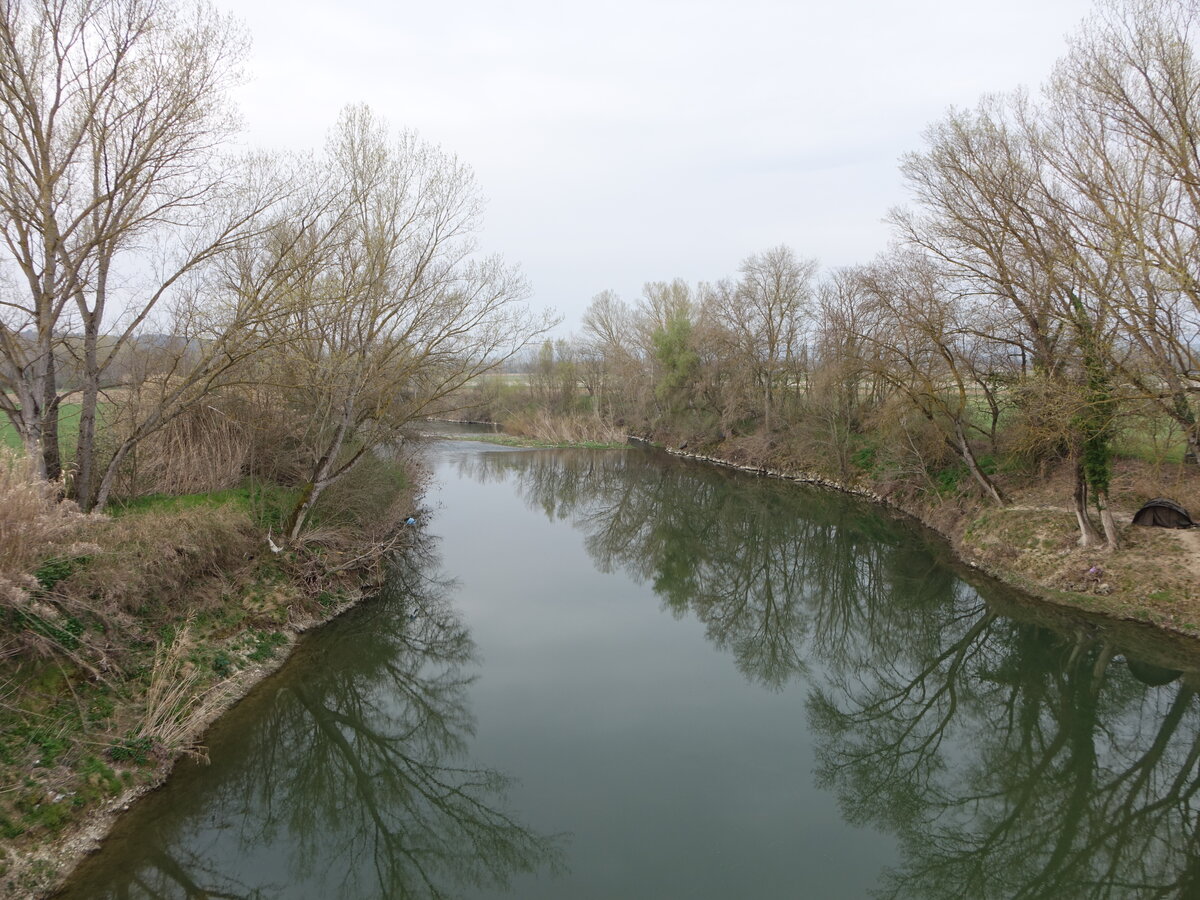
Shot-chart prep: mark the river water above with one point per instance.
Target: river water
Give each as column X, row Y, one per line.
column 613, row 674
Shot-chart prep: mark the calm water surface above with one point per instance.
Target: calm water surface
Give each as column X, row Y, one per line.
column 617, row 675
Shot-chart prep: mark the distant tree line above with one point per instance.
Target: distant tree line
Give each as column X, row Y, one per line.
column 1041, row 296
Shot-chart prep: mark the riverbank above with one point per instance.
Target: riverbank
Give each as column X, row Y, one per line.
column 1032, row 543
column 73, row 842
column 130, row 642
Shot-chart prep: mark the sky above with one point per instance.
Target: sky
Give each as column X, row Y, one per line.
column 627, row 142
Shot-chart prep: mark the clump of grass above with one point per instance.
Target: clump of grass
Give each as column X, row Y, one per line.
column 265, row 644
column 154, row 558
column 202, row 449
column 547, row 428
column 33, row 523
column 176, row 699
column 37, row 550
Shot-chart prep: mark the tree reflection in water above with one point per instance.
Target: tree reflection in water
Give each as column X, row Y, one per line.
column 349, row 779
column 1010, row 759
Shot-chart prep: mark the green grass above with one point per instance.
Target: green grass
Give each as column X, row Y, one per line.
column 68, row 428
column 266, row 503
column 1156, row 441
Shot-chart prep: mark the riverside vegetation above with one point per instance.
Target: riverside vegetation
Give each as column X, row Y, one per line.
column 125, row 634
column 205, row 357
column 207, row 363
column 1020, row 370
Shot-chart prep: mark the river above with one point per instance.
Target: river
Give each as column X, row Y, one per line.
column 614, row 674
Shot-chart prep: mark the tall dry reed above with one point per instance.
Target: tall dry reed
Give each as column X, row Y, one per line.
column 564, row 429
column 198, row 451
column 178, row 700
column 33, row 523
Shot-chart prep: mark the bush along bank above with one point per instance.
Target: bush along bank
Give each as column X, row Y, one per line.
column 1031, row 542
column 123, row 636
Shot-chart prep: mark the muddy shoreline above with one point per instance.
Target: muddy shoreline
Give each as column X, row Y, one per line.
column 54, row 862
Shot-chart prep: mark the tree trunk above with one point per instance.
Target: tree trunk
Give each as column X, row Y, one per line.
column 1181, row 411
column 320, row 478
column 48, row 414
column 308, row 498
column 110, row 472
column 1088, row 536
column 1191, row 456
column 31, row 437
column 598, row 400
column 767, row 403
column 1112, row 540
column 85, row 448
column 981, row 477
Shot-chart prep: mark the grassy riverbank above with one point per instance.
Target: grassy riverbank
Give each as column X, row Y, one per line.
column 130, row 632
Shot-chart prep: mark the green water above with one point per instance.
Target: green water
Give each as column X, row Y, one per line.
column 617, row 675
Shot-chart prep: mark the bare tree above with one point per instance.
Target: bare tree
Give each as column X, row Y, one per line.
column 222, row 315
column 1003, row 223
column 765, row 315
column 913, row 335
column 841, row 384
column 401, row 312
column 607, row 347
column 113, row 114
column 1121, row 124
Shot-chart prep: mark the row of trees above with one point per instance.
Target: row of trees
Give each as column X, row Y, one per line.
column 150, row 272
column 1042, row 288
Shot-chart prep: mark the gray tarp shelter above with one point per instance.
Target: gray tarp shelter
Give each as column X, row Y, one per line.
column 1163, row 513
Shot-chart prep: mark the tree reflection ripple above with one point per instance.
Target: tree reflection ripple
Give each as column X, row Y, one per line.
column 1012, row 753
column 346, row 777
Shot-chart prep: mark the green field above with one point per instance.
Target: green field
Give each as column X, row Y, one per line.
column 68, row 428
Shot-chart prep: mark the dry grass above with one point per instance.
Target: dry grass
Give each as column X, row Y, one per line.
column 179, row 697
column 156, row 563
column 1153, row 576
column 33, row 524
column 551, row 429
column 1134, row 483
column 201, row 450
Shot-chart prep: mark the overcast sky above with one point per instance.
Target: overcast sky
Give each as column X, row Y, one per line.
column 625, row 142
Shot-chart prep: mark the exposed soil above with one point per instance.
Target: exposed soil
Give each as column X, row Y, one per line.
column 1154, row 577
